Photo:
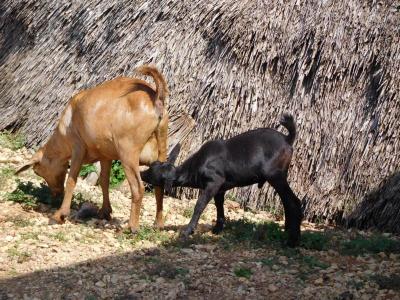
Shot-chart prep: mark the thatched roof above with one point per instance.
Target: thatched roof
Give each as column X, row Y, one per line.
column 232, row 66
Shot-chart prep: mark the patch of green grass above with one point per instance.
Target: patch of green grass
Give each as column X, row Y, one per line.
column 270, row 261
column 243, row 272
column 21, row 256
column 29, row 196
column 5, row 174
column 117, row 174
column 291, row 252
column 314, row 240
column 86, row 170
column 166, row 269
column 312, row 262
column 231, row 197
column 13, row 141
column 20, row 221
column 374, row 244
column 145, row 233
column 356, row 284
column 275, row 211
column 388, row 282
column 78, row 199
column 252, row 233
column 30, row 236
column 188, row 212
column 60, row 236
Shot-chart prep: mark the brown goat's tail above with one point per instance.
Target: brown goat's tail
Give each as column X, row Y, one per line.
column 288, row 121
column 161, row 85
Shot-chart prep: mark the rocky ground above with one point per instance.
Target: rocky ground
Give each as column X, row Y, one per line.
column 95, row 259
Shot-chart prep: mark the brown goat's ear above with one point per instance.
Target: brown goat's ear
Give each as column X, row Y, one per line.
column 24, row 168
column 35, row 159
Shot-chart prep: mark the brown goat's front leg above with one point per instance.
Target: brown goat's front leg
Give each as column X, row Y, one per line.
column 159, row 222
column 76, row 163
column 137, row 189
column 105, row 210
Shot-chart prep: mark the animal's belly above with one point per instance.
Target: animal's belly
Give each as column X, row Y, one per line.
column 149, row 153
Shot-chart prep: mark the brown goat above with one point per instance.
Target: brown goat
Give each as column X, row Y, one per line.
column 123, row 119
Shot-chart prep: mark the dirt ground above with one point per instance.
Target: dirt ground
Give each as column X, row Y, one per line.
column 96, row 259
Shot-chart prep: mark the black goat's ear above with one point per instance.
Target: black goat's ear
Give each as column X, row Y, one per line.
column 173, row 155
column 168, row 186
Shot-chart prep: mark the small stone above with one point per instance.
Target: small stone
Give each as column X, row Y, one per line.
column 272, row 288
column 114, row 278
column 100, row 284
column 346, row 296
column 160, row 280
column 187, row 250
column 319, row 281
column 8, row 238
column 382, row 254
column 43, row 246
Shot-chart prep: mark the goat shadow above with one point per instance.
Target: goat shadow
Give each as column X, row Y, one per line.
column 39, row 199
column 379, row 209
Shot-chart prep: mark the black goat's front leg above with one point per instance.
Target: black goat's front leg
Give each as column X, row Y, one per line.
column 205, row 197
column 219, row 203
column 292, row 207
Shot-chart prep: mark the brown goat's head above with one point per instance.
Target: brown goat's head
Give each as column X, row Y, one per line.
column 52, row 170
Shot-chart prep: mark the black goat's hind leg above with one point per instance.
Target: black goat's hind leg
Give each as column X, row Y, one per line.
column 292, row 207
column 219, row 203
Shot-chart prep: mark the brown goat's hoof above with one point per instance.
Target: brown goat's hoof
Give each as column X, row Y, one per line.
column 104, row 214
column 159, row 224
column 59, row 217
column 133, row 229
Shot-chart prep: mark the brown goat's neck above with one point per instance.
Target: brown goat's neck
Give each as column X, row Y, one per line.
column 57, row 147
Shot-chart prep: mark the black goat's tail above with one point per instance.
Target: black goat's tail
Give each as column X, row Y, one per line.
column 288, row 121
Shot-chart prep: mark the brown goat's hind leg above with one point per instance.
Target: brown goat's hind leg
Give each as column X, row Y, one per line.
column 292, row 207
column 161, row 136
column 76, row 163
column 137, row 189
column 105, row 210
column 159, row 222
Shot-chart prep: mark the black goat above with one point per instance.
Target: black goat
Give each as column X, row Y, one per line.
column 254, row 156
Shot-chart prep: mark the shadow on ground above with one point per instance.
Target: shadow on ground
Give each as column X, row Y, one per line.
column 380, row 209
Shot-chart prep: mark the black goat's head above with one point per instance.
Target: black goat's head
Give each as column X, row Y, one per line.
column 160, row 174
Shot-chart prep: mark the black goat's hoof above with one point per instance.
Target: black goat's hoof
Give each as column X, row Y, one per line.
column 185, row 234
column 292, row 243
column 217, row 229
